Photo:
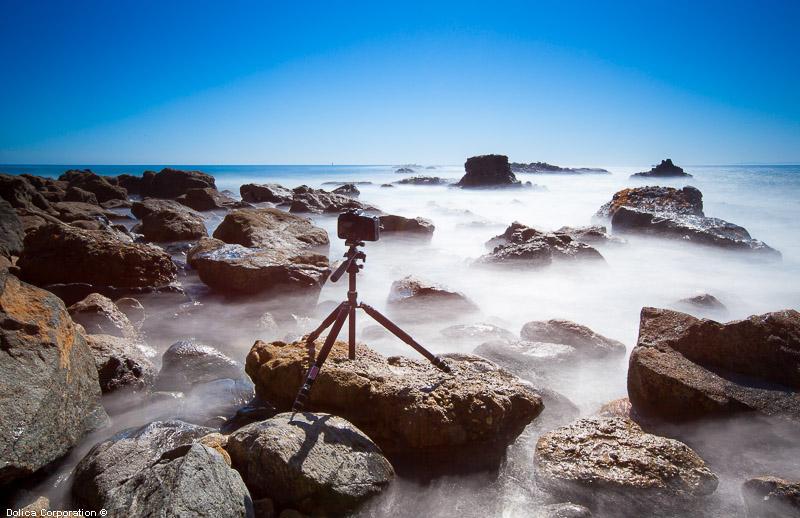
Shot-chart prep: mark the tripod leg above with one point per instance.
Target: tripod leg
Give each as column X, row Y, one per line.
column 325, row 323
column 352, row 344
column 402, row 335
column 305, row 390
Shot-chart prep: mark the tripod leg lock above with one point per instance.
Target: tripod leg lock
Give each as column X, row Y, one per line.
column 305, row 390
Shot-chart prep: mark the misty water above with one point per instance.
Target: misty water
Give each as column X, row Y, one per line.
column 607, row 297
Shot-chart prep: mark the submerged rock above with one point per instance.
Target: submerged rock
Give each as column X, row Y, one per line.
column 171, row 183
column 476, row 333
column 525, row 247
column 271, row 228
column 585, row 341
column 415, row 297
column 419, row 226
column 140, row 209
column 666, row 169
column 348, row 189
column 99, row 315
column 121, row 365
column 188, row 363
column 316, row 461
column 488, row 171
column 215, row 402
column 771, row 497
column 318, row 201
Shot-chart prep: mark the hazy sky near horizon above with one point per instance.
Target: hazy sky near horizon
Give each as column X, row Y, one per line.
column 241, row 82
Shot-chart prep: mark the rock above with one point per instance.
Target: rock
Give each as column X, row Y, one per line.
column 474, row 334
column 663, row 200
column 95, row 184
column 49, row 393
column 121, row 365
column 319, row 458
column 666, row 169
column 593, row 234
column 685, row 368
column 488, row 171
column 99, row 315
column 171, row 183
column 423, row 180
column 237, row 270
column 771, row 497
column 188, row 363
column 77, row 194
column 269, row 192
column 255, row 410
column 271, row 228
column 141, row 209
column 704, row 305
column 11, row 231
column 414, row 297
column 584, row 340
column 420, row 226
column 318, row 201
column 545, row 168
column 20, row 193
column 168, row 225
column 34, row 218
column 348, row 189
column 132, row 309
column 206, row 244
column 70, row 211
column 610, row 463
column 418, row 415
column 525, row 358
column 209, row 198
column 129, row 182
column 405, row 170
column 525, row 247
column 160, row 470
column 213, row 403
column 61, row 254
column 565, row 510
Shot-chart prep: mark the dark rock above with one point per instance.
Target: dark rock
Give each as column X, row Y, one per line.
column 318, row 201
column 488, row 171
column 129, row 182
column 187, row 364
column 565, row 510
column 141, row 209
column 95, row 184
column 61, row 254
column 160, row 469
column 100, row 316
column 204, row 245
column 20, row 193
column 121, row 365
column 585, row 341
column 171, row 183
column 405, row 170
column 418, row 415
column 419, row 226
column 209, row 198
column 70, row 211
column 771, row 497
column 611, row 464
column 665, row 169
column 269, row 192
column 474, row 334
column 11, row 231
column 319, row 458
column 167, row 225
column 704, row 301
column 545, row 168
column 77, row 194
column 48, row 380
column 423, row 180
column 348, row 189
column 591, row 235
column 662, row 200
column 271, row 228
column 34, row 218
column 255, row 410
column 419, row 298
column 685, row 368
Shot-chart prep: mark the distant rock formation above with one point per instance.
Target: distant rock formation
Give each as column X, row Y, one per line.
column 488, row 171
column 665, row 169
column 545, row 168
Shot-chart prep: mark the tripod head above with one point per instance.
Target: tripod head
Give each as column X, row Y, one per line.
column 353, row 254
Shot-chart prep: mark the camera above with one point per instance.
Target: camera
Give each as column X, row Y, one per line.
column 354, row 225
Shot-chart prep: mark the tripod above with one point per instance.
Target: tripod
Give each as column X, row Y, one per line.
column 348, row 309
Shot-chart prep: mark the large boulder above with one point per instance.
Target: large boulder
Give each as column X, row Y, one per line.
column 129, row 182
column 316, row 461
column 418, row 415
column 581, row 338
column 11, row 231
column 488, row 171
column 161, row 469
column 100, row 186
column 270, row 228
column 140, row 209
column 209, row 199
column 188, row 363
column 415, row 297
column 416, row 226
column 611, row 464
column 167, row 225
column 99, row 315
column 521, row 246
column 663, row 200
column 666, row 169
column 122, row 365
column 318, row 201
column 49, row 393
column 61, row 254
column 237, row 270
column 171, row 183
column 269, row 192
column 20, row 193
column 686, row 368
column 771, row 497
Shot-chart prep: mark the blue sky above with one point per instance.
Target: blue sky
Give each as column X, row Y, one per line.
column 240, row 82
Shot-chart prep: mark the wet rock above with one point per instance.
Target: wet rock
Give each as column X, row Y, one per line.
column 20, row 193
column 269, row 192
column 209, row 199
column 255, row 410
column 271, row 228
column 238, row 270
column 188, row 363
column 318, row 201
column 666, row 169
column 11, row 231
column 160, row 470
column 545, row 168
column 423, row 180
column 771, row 497
column 132, row 309
column 315, row 460
column 685, row 368
column 420, row 417
column 141, row 209
column 61, row 254
column 525, row 247
column 488, row 171
column 591, row 235
column 213, row 403
column 419, row 226
column 704, row 305
column 95, row 184
column 121, row 365
column 585, row 341
column 171, row 183
column 610, row 463
column 664, row 200
column 405, row 170
column 414, row 297
column 167, row 225
column 99, row 315
column 473, row 334
column 48, row 380
column 527, row 358
column 348, row 189
column 566, row 510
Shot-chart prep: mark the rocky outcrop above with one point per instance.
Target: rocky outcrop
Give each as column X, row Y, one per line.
column 21, row 194
column 586, row 342
column 611, row 464
column 423, row 180
column 269, row 192
column 77, row 194
column 61, row 254
column 418, row 226
column 318, row 201
column 98, row 185
column 167, row 225
column 521, row 246
column 121, row 365
column 188, row 363
column 666, row 169
column 686, row 368
column 49, row 393
column 129, row 182
column 209, row 198
column 316, row 461
column 771, row 497
column 418, row 415
column 348, row 189
column 591, row 235
column 271, row 229
column 99, row 315
column 414, row 297
column 663, row 200
column 171, row 183
column 160, row 469
column 545, row 168
column 11, row 231
column 488, row 171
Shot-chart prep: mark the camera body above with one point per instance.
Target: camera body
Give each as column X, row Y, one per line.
column 354, row 225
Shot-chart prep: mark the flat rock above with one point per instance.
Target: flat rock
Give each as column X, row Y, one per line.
column 488, row 171
column 267, row 192
column 140, row 209
column 171, row 183
column 318, row 201
column 312, row 460
column 521, row 246
column 416, row 297
column 188, row 363
column 208, row 198
column 418, row 226
column 585, row 341
column 476, row 333
column 271, row 228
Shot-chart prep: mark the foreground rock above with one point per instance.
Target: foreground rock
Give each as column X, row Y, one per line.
column 11, row 231
column 269, row 192
column 771, row 497
column 171, row 183
column 160, row 470
column 666, row 169
column 611, row 464
column 525, row 247
column 581, row 338
column 416, row 226
column 318, row 201
column 271, row 228
column 414, row 297
column 488, row 171
column 663, row 200
column 318, row 462
column 168, row 225
column 61, row 254
column 188, row 363
column 685, row 368
column 419, row 416
column 48, row 380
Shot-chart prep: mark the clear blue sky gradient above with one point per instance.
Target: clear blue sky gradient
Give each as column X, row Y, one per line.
column 240, row 82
